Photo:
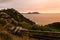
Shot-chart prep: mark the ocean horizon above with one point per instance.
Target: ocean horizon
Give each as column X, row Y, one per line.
column 43, row 19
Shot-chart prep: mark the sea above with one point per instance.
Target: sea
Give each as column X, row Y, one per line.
column 43, row 18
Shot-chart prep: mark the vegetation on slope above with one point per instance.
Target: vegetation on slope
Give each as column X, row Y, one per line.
column 14, row 17
column 55, row 26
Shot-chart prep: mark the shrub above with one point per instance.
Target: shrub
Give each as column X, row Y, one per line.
column 25, row 24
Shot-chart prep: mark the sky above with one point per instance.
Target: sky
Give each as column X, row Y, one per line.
column 42, row 6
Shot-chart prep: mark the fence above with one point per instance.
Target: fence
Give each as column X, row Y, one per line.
column 40, row 35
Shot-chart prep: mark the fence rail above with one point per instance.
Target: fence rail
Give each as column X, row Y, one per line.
column 47, row 35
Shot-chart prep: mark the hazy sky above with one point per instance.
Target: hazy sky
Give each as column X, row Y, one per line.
column 44, row 6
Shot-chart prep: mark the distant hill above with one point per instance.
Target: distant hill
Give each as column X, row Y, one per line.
column 33, row 13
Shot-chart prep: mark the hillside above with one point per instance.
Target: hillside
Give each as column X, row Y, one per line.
column 14, row 17
column 10, row 22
